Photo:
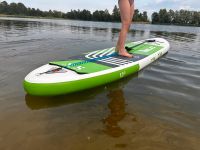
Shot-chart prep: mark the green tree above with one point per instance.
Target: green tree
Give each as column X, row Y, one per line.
column 56, row 14
column 195, row 18
column 177, row 19
column 85, row 15
column 185, row 17
column 164, row 16
column 13, row 9
column 22, row 9
column 116, row 14
column 98, row 15
column 107, row 15
column 171, row 16
column 101, row 15
column 144, row 16
column 155, row 18
column 136, row 15
column 4, row 7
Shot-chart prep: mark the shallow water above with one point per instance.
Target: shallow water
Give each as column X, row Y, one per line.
column 158, row 108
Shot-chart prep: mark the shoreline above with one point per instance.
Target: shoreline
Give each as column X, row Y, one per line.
column 37, row 17
column 136, row 22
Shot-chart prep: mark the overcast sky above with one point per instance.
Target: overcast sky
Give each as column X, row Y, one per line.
column 142, row 5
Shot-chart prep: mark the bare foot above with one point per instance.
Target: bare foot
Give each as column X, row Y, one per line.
column 125, row 54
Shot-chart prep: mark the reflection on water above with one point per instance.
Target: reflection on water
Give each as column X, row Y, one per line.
column 156, row 109
column 117, row 113
column 76, row 29
column 36, row 102
column 186, row 37
column 117, row 107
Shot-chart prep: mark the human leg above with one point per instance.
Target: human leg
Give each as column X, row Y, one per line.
column 126, row 12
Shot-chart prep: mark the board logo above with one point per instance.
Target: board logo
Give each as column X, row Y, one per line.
column 122, row 74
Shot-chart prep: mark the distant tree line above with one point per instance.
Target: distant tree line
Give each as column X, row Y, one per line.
column 98, row 15
column 181, row 17
column 22, row 10
column 104, row 15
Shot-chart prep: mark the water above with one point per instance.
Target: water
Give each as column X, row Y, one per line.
column 158, row 108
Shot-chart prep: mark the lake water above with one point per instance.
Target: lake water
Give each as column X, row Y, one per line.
column 156, row 109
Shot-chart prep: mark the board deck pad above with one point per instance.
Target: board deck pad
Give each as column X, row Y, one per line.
column 146, row 49
column 83, row 68
column 106, row 59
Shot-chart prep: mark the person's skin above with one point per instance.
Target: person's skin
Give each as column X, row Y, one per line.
column 126, row 11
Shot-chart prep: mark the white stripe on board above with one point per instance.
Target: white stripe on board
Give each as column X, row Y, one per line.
column 95, row 55
column 113, row 51
column 115, row 61
column 108, row 51
column 88, row 55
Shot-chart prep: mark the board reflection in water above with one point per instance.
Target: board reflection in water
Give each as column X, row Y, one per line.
column 37, row 102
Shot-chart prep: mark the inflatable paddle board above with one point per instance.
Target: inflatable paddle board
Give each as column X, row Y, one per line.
column 93, row 68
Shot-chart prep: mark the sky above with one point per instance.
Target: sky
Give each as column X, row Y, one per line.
column 143, row 5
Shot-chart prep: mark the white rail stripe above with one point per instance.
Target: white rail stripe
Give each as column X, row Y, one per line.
column 110, row 61
column 95, row 53
column 114, row 61
column 95, row 56
column 117, row 59
column 113, row 51
column 88, row 55
column 106, row 52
